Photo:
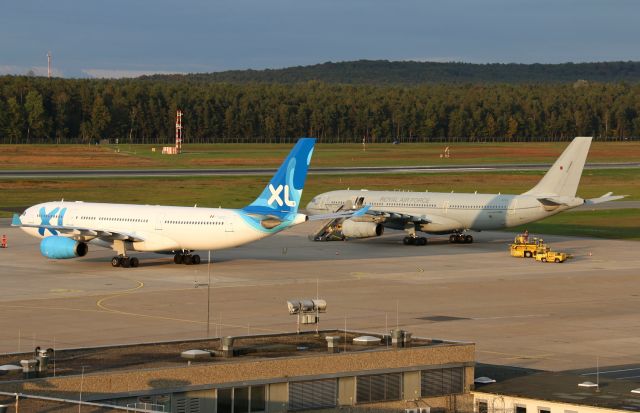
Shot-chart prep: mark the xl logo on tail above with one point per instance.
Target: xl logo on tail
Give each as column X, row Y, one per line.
column 275, row 196
column 45, row 219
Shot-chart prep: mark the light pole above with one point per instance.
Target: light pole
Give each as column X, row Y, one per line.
column 81, row 383
column 208, row 292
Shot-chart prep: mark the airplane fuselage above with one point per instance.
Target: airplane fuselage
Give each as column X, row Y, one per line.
column 447, row 212
column 159, row 228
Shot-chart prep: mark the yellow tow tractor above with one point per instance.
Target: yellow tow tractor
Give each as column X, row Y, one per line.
column 552, row 256
column 523, row 248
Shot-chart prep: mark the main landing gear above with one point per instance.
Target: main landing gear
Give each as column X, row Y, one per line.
column 124, row 262
column 414, row 241
column 121, row 260
column 187, row 259
column 412, row 238
column 460, row 239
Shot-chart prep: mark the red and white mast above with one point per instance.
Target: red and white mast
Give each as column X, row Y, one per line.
column 178, row 131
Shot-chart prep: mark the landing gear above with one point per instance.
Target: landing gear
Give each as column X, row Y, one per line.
column 186, row 259
column 414, row 241
column 125, row 262
column 460, row 239
column 412, row 238
column 121, row 260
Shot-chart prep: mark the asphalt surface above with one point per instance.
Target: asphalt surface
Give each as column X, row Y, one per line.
column 103, row 173
column 518, row 311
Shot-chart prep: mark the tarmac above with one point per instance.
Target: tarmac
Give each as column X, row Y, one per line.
column 519, row 312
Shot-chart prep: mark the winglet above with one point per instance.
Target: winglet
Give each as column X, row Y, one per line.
column 344, row 214
column 15, row 222
column 361, row 211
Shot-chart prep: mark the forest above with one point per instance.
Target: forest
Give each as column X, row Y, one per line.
column 41, row 110
column 408, row 73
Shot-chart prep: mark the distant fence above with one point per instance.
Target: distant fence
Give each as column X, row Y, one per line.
column 337, row 140
column 290, row 140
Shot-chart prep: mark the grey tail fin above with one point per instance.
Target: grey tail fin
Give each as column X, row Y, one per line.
column 563, row 177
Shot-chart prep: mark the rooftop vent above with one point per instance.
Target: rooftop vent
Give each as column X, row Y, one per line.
column 8, row 368
column 29, row 368
column 366, row 341
column 227, row 346
column 397, row 338
column 333, row 343
column 196, row 355
column 484, row 380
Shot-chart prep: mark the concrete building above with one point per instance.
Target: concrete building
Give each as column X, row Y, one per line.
column 274, row 373
column 560, row 392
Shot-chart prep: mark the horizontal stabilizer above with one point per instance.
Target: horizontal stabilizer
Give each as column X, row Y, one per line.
column 604, row 198
column 15, row 222
column 556, row 200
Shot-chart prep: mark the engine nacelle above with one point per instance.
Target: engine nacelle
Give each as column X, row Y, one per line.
column 354, row 229
column 62, row 248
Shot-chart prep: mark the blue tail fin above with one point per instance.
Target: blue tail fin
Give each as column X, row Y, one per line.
column 281, row 196
column 15, row 222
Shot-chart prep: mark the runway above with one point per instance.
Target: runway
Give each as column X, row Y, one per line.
column 519, row 312
column 106, row 173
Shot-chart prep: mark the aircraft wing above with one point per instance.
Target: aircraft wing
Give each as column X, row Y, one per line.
column 82, row 232
column 399, row 217
column 341, row 214
column 604, row 198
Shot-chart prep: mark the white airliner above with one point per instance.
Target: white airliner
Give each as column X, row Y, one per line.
column 455, row 213
column 68, row 228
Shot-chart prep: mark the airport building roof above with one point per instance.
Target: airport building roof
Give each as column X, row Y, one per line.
column 168, row 354
column 574, row 388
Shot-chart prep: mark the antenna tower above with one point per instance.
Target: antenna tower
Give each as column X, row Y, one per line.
column 178, row 131
column 49, row 58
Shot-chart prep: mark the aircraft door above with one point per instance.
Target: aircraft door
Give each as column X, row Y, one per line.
column 513, row 206
column 29, row 218
column 159, row 221
column 359, row 202
column 68, row 218
column 228, row 224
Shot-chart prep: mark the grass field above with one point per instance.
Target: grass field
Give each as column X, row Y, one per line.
column 325, row 155
column 613, row 224
column 233, row 192
column 237, row 191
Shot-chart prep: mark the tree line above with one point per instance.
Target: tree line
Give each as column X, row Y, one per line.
column 383, row 72
column 40, row 110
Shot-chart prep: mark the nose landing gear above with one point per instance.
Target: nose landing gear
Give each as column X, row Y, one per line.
column 460, row 239
column 187, row 259
column 414, row 241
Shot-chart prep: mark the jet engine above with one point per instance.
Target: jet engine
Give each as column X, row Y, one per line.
column 62, row 248
column 355, row 229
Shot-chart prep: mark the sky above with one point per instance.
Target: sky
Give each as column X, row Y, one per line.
column 125, row 38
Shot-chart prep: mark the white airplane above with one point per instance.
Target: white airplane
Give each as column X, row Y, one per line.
column 453, row 213
column 68, row 228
